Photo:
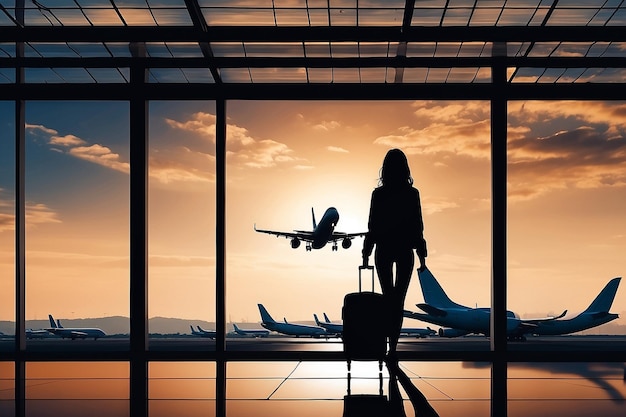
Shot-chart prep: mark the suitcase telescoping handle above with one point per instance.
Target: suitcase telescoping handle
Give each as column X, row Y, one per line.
column 361, row 268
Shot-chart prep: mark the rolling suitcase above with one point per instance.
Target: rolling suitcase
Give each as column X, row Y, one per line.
column 365, row 339
column 364, row 324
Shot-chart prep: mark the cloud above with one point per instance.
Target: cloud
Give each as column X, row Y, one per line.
column 36, row 214
column 67, row 140
column 242, row 149
column 101, row 155
column 327, row 125
column 181, row 164
column 40, row 128
column 448, row 128
column 200, row 123
column 80, row 148
column 590, row 152
column 337, row 149
column 551, row 145
column 432, row 206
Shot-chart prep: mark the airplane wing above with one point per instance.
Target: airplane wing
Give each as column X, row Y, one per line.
column 342, row 235
column 299, row 234
column 543, row 320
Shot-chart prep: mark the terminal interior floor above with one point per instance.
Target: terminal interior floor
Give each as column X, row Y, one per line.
column 311, row 388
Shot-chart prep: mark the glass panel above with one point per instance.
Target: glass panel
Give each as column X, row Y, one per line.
column 573, row 389
column 77, row 389
column 181, row 388
column 328, row 154
column 77, row 224
column 7, row 388
column 565, row 206
column 7, row 227
column 181, row 224
column 320, row 388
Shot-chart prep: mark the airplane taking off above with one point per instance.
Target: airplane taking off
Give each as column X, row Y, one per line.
column 73, row 332
column 287, row 328
column 458, row 320
column 251, row 332
column 322, row 233
column 203, row 333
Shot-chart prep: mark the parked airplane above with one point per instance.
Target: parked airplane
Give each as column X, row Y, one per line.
column 417, row 332
column 458, row 320
column 322, row 233
column 287, row 328
column 332, row 328
column 251, row 332
column 73, row 332
column 337, row 328
column 203, row 333
column 37, row 334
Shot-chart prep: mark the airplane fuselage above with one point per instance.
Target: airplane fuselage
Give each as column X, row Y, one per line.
column 292, row 329
column 325, row 228
column 573, row 325
column 472, row 320
column 76, row 332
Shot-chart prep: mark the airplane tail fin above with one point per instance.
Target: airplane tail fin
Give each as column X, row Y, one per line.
column 326, row 318
column 265, row 316
column 317, row 321
column 433, row 294
column 59, row 324
column 235, row 327
column 192, row 330
column 313, row 216
column 52, row 322
column 604, row 300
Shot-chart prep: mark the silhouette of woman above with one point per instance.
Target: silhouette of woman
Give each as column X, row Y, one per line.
column 395, row 228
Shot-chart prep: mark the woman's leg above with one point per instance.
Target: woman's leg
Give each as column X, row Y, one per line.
column 404, row 269
column 384, row 268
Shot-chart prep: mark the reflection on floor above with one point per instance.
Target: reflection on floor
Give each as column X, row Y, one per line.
column 259, row 389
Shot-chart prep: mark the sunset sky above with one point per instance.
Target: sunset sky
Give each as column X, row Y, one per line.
column 566, row 227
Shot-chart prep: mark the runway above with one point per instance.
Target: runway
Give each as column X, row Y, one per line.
column 463, row 345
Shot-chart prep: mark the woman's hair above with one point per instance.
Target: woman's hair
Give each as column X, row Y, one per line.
column 395, row 169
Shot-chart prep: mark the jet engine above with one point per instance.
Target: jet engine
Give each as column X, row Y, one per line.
column 295, row 243
column 346, row 243
column 452, row 332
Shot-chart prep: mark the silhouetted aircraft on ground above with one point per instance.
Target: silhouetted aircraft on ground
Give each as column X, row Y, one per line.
column 458, row 320
column 251, row 332
column 203, row 333
column 287, row 328
column 73, row 332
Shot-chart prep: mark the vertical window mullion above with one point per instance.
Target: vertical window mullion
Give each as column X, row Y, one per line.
column 498, row 324
column 220, row 255
column 138, row 237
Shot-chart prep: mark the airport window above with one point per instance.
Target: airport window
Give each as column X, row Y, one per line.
column 564, row 168
column 278, row 182
column 181, row 213
column 141, row 144
column 7, row 214
column 77, row 220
